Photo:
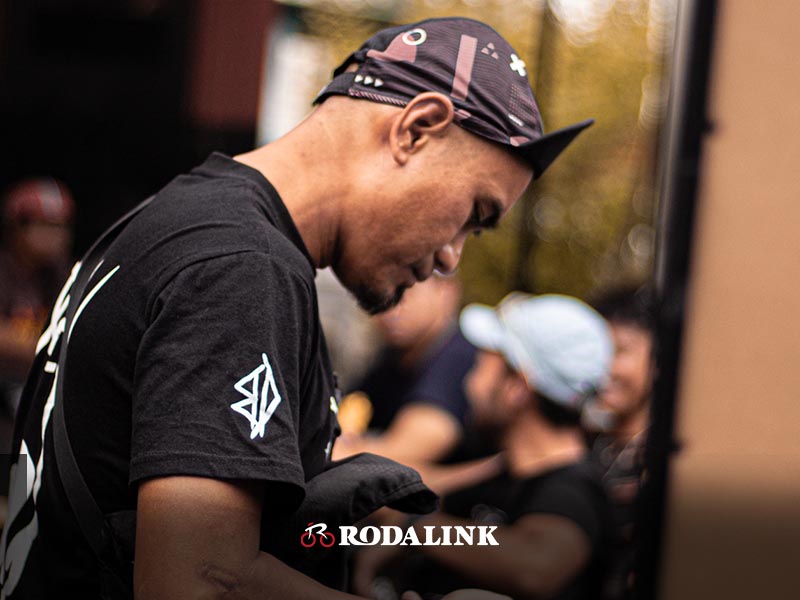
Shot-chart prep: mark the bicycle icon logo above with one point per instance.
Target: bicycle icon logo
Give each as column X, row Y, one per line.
column 310, row 537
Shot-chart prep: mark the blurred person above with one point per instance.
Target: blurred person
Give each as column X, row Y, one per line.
column 619, row 449
column 37, row 219
column 34, row 262
column 542, row 358
column 415, row 389
column 193, row 378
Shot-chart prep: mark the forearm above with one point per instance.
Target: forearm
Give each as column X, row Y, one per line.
column 443, row 479
column 199, row 538
column 511, row 567
column 266, row 578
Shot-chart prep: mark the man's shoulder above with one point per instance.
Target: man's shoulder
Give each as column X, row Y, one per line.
column 197, row 219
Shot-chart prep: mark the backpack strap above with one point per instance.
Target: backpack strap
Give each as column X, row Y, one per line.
column 88, row 514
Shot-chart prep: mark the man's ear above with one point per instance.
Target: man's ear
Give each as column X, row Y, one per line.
column 427, row 115
column 517, row 391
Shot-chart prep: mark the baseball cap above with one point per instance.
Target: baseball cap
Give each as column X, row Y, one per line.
column 469, row 62
column 560, row 344
column 41, row 199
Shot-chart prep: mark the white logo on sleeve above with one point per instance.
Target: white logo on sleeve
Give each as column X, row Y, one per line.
column 258, row 387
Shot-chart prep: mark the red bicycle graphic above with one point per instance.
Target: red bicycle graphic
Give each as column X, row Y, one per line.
column 310, row 537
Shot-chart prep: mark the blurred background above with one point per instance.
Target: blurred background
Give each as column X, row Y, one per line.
column 115, row 98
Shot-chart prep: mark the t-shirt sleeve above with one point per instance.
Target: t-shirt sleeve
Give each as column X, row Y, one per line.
column 576, row 498
column 441, row 384
column 217, row 378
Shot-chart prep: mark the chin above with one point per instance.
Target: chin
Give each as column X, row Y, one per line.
column 376, row 302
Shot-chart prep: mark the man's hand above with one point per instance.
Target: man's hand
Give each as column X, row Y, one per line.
column 369, row 561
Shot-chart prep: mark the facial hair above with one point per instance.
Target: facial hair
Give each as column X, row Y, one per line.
column 374, row 302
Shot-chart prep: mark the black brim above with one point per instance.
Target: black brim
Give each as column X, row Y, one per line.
column 540, row 153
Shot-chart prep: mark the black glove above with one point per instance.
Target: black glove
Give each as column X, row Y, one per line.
column 346, row 492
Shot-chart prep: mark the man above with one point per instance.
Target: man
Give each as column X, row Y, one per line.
column 541, row 359
column 197, row 387
column 415, row 389
column 626, row 399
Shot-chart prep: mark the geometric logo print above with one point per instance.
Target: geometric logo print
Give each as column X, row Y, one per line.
column 256, row 406
column 490, row 50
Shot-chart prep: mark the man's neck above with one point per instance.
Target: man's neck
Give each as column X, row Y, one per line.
column 533, row 446
column 311, row 184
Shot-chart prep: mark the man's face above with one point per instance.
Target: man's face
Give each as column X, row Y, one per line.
column 486, row 386
column 630, row 380
column 419, row 215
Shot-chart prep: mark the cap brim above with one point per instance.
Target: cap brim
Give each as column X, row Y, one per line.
column 482, row 328
column 540, row 153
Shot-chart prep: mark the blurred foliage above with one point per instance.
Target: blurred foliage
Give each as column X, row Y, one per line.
column 588, row 222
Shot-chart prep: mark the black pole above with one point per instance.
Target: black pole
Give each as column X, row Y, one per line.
column 686, row 129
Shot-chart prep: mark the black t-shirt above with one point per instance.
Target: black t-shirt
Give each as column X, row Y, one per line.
column 437, row 380
column 573, row 491
column 196, row 350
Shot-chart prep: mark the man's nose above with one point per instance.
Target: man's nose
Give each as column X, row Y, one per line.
column 447, row 257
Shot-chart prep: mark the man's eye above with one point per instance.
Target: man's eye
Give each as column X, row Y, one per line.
column 474, row 222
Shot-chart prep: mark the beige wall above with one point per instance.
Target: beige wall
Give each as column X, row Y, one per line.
column 733, row 522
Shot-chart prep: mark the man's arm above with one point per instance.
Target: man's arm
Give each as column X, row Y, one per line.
column 419, row 433
column 535, row 557
column 199, row 538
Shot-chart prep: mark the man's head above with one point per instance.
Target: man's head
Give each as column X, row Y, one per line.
column 628, row 311
column 546, row 353
column 460, row 139
column 37, row 216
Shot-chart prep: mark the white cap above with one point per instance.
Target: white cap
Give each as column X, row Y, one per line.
column 561, row 345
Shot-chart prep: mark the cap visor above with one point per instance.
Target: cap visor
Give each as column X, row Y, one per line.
column 540, row 153
column 482, row 328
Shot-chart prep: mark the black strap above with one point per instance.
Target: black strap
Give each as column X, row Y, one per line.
column 90, row 519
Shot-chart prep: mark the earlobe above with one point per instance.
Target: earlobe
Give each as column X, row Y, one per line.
column 518, row 390
column 427, row 115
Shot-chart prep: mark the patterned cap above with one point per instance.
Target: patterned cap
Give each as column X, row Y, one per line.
column 470, row 63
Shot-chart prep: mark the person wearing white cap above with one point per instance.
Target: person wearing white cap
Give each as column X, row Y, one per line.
column 541, row 359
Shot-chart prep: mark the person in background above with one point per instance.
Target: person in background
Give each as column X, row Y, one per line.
column 619, row 449
column 414, row 392
column 34, row 262
column 37, row 219
column 542, row 358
